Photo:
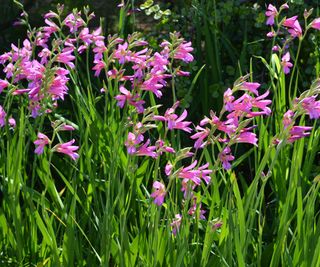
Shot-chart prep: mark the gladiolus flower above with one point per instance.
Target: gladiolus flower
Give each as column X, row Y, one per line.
column 176, row 224
column 68, row 149
column 41, row 142
column 316, row 24
column 286, row 64
column 2, row 117
column 158, row 193
column 225, row 156
column 271, row 13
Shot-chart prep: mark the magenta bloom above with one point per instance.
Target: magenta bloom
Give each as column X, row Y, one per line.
column 298, row 132
column 227, row 99
column 182, row 52
column 159, row 193
column 2, row 116
column 3, row 84
column 193, row 209
column 311, row 107
column 68, row 149
column 74, row 22
column 247, row 137
column 173, row 120
column 168, row 169
column 132, row 100
column 66, row 58
column 251, row 87
column 176, row 224
column 122, row 53
column 196, row 175
column 146, row 150
column 316, row 24
column 132, row 142
column 41, row 142
column 225, row 156
column 293, row 26
column 271, row 13
column 285, row 62
column 201, row 135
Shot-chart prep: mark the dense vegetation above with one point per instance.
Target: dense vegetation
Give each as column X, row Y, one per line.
column 194, row 141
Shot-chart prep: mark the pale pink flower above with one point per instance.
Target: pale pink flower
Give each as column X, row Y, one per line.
column 176, row 224
column 271, row 13
column 41, row 142
column 285, row 62
column 12, row 122
column 287, row 118
column 271, row 34
column 68, row 149
column 159, row 193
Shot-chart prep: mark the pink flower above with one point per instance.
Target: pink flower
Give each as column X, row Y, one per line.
column 182, row 52
column 271, row 34
column 298, row 132
column 12, row 122
column 41, row 142
column 68, row 149
column 168, row 169
column 287, row 118
column 3, row 84
column 146, row 150
column 225, row 157
column 158, row 193
column 251, row 87
column 66, row 58
column 73, row 22
column 275, row 48
column 173, row 120
column 126, row 96
column 316, row 24
column 193, row 209
column 311, row 107
column 155, row 83
column 247, row 137
column 3, row 115
column 285, row 62
column 271, row 13
column 200, row 136
column 132, row 141
column 122, row 53
column 176, row 224
column 294, row 26
column 227, row 99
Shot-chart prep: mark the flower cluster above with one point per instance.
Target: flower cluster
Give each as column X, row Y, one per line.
column 290, row 28
column 234, row 128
